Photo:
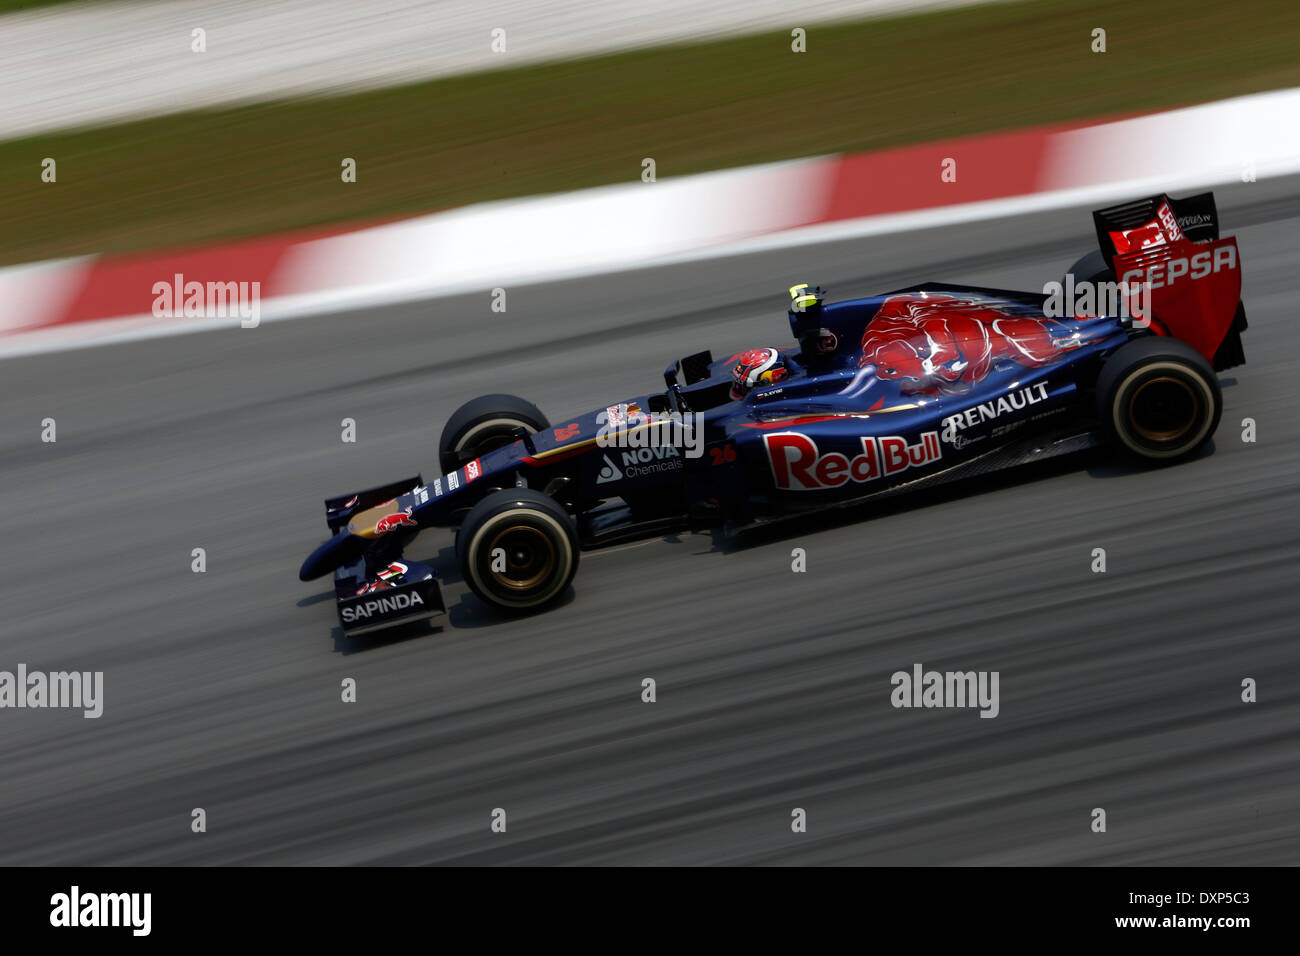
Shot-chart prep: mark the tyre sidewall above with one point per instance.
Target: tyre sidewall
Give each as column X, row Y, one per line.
column 479, row 431
column 480, row 419
column 476, row 535
column 1090, row 268
column 1141, row 366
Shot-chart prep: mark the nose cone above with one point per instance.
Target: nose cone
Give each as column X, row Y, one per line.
column 334, row 553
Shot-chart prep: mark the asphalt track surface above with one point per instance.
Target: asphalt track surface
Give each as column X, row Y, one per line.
column 222, row 690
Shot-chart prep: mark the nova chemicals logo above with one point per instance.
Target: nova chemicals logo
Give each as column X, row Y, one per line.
column 644, row 462
column 640, row 463
column 608, row 472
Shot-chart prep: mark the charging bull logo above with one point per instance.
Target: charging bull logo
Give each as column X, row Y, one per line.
column 389, row 522
column 941, row 344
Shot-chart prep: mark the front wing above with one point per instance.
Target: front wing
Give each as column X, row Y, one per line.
column 380, row 590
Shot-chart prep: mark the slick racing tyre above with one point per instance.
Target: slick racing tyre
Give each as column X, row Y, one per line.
column 1091, row 268
column 483, row 425
column 518, row 549
column 1158, row 399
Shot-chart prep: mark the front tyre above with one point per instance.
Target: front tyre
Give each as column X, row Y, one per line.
column 518, row 549
column 486, row 424
column 1158, row 399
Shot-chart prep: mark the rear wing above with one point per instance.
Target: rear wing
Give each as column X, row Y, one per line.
column 1195, row 218
column 1191, row 274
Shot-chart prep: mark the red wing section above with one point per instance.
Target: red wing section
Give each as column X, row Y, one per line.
column 1194, row 288
column 1191, row 276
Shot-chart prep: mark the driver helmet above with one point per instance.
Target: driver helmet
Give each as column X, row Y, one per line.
column 757, row 368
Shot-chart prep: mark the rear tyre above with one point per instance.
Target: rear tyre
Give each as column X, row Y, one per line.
column 518, row 549
column 483, row 425
column 1158, row 399
column 1091, row 268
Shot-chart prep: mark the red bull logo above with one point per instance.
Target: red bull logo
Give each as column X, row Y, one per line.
column 934, row 343
column 797, row 465
column 398, row 520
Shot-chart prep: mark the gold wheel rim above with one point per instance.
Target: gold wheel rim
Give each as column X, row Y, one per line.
column 1155, row 411
column 530, row 557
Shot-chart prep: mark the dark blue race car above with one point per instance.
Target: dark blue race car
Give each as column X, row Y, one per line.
column 899, row 391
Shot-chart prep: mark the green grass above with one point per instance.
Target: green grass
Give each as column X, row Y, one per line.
column 12, row 6
column 218, row 174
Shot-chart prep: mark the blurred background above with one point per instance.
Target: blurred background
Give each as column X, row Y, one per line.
column 192, row 125
column 159, row 145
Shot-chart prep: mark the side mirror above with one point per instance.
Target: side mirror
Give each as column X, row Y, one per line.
column 673, row 397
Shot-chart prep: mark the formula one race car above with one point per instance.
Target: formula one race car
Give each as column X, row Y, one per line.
column 898, row 391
